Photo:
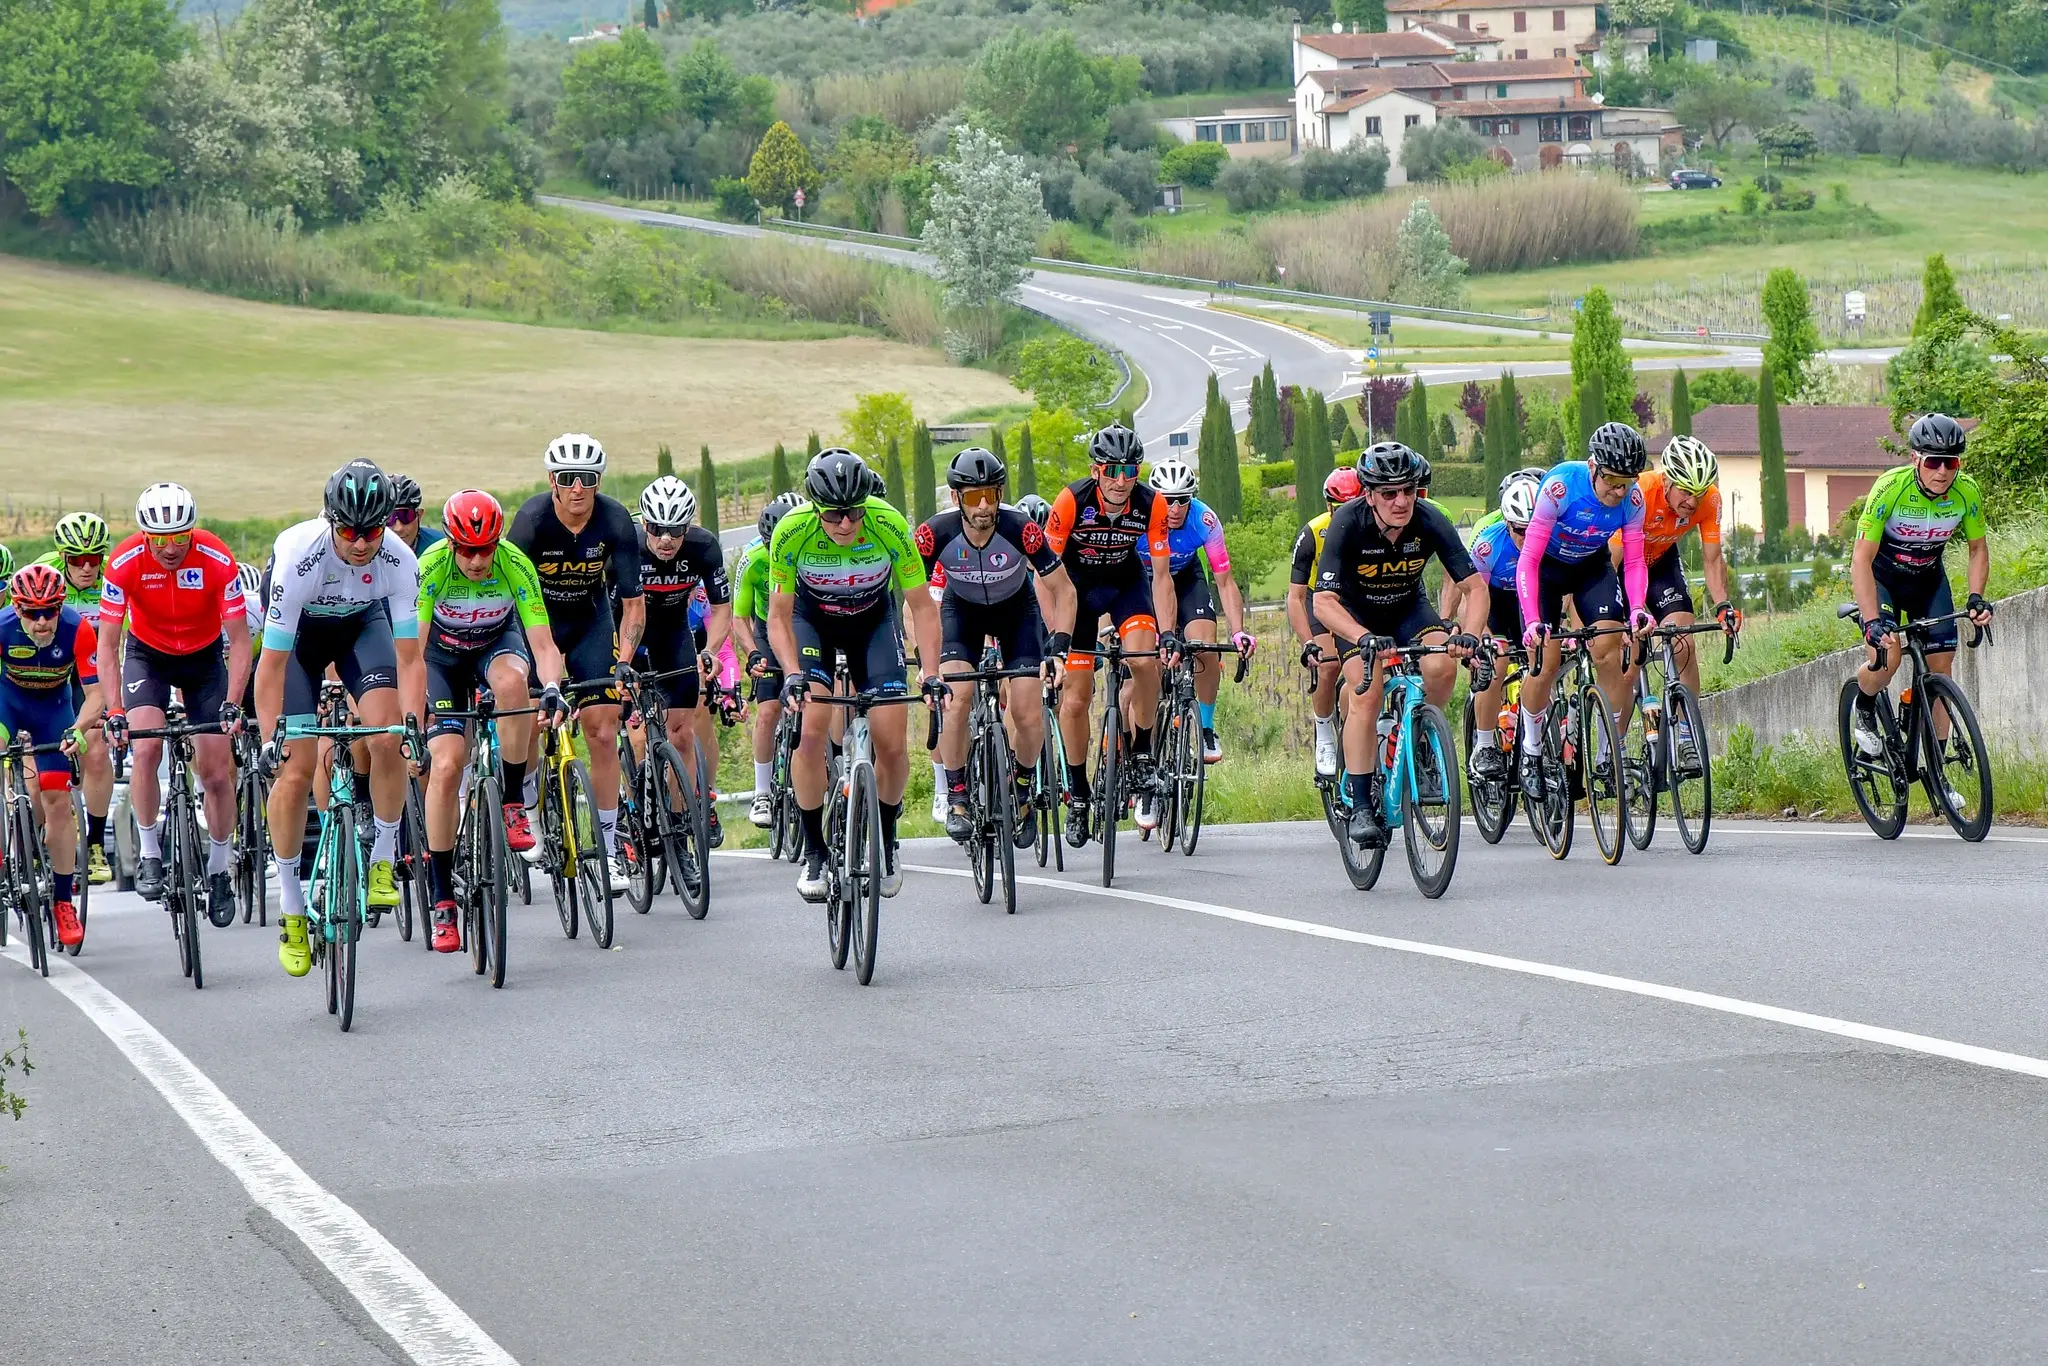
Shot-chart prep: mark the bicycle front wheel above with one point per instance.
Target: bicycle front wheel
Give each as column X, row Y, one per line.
column 1003, row 812
column 981, row 845
column 252, row 858
column 1956, row 774
column 1191, row 780
column 33, row 893
column 1606, row 773
column 1493, row 802
column 415, row 902
column 1559, row 813
column 1878, row 784
column 593, row 873
column 1643, row 757
column 81, row 883
column 1429, row 825
column 839, row 833
column 1689, row 771
column 185, row 885
column 347, row 922
column 1109, row 795
column 635, row 839
column 864, row 871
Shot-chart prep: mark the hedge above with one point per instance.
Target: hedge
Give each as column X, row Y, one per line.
column 1457, row 481
column 1275, row 474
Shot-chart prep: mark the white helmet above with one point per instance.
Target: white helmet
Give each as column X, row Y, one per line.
column 1518, row 498
column 166, row 510
column 1173, row 478
column 1689, row 465
column 668, row 502
column 575, row 451
column 251, row 579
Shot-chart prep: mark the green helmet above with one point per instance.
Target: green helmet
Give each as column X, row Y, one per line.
column 6, row 563
column 83, row 533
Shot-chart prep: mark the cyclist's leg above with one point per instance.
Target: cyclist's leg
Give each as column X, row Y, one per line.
column 1361, row 749
column 588, row 655
column 451, row 686
column 203, row 678
column 807, row 765
column 962, row 627
column 1598, row 596
column 1942, row 641
column 686, row 709
column 368, row 665
column 1131, row 614
column 767, row 690
column 877, row 663
column 1896, row 600
column 1078, row 691
column 146, row 687
column 305, row 666
column 1503, row 620
column 1670, row 601
column 1198, row 623
column 96, row 768
column 1019, row 634
column 1419, row 624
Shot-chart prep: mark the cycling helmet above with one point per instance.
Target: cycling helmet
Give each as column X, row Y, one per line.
column 406, row 490
column 82, row 533
column 36, row 586
column 1936, row 434
column 837, row 478
column 668, row 501
column 1689, row 465
column 976, row 468
column 472, row 519
column 1389, row 464
column 1115, row 444
column 166, row 510
column 778, row 507
column 251, row 579
column 1036, row 508
column 574, row 451
column 1618, row 448
column 6, row 563
column 359, row 496
column 1518, row 494
column 1173, row 477
column 1342, row 486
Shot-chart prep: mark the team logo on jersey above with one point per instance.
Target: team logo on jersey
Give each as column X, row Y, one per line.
column 192, row 578
column 367, row 578
column 1087, row 515
column 998, row 560
column 1554, row 489
column 21, row 651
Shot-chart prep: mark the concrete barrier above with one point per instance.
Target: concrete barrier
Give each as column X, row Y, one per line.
column 2007, row 683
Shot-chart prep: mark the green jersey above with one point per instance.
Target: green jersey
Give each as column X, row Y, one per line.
column 86, row 600
column 1912, row 529
column 458, row 613
column 844, row 580
column 750, row 582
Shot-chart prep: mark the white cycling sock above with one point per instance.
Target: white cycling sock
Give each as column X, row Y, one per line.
column 608, row 823
column 288, row 888
column 386, row 842
column 529, row 789
column 1532, row 730
column 1485, row 739
column 151, row 838
column 1326, row 728
column 764, row 778
column 217, row 854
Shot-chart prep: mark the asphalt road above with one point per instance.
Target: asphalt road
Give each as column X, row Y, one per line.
column 1266, row 1120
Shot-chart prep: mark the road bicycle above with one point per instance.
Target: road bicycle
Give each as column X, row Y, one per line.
column 1665, row 747
column 1417, row 764
column 785, row 823
column 184, row 844
column 409, row 871
column 1114, row 787
column 1183, row 776
column 991, row 795
column 28, row 891
column 1494, row 799
column 570, row 840
column 665, row 808
column 1049, row 788
column 1955, row 772
column 1580, row 723
column 251, row 857
column 483, row 856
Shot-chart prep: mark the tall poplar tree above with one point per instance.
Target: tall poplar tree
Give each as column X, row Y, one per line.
column 1681, row 404
column 707, row 491
column 1770, row 444
column 925, row 483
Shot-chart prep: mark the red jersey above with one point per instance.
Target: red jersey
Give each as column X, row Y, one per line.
column 1099, row 545
column 177, row 611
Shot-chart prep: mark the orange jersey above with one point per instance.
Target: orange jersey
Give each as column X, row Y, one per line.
column 1662, row 528
column 1099, row 544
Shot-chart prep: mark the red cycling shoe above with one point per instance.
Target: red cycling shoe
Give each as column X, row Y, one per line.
column 518, row 831
column 69, row 932
column 447, row 934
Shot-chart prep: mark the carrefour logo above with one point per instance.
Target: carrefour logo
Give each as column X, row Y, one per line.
column 192, row 578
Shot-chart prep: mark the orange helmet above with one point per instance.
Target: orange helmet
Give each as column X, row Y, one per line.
column 473, row 519
column 1342, row 486
column 36, row 587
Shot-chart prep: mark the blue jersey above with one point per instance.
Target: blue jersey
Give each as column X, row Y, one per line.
column 1573, row 521
column 1202, row 531
column 47, row 668
column 1494, row 554
column 429, row 537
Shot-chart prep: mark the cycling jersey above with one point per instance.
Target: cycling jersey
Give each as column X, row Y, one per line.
column 750, row 582
column 429, row 537
column 1201, row 534
column 86, row 600
column 175, row 611
column 45, row 669
column 460, row 614
column 991, row 573
column 670, row 585
column 1571, row 526
column 844, row 580
column 1663, row 529
column 1308, row 548
column 1910, row 527
column 1495, row 554
column 1367, row 570
column 1098, row 544
column 310, row 580
column 575, row 566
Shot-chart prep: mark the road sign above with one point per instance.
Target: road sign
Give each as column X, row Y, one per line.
column 1382, row 322
column 1854, row 305
column 1176, row 438
column 799, row 199
column 1372, row 353
column 1702, row 331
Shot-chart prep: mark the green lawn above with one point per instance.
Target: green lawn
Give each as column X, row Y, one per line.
column 1858, row 53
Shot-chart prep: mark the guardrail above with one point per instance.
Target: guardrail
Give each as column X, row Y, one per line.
column 1709, row 334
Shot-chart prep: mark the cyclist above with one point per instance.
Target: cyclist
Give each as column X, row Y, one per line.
column 587, row 551
column 1195, row 534
column 1035, row 509
column 831, row 568
column 346, row 595
column 989, row 554
column 83, row 540
column 405, row 518
column 170, row 595
column 1096, row 526
column 1496, row 550
column 1909, row 517
column 1584, row 504
column 484, row 626
column 1318, row 649
column 48, row 649
column 677, row 558
column 1369, row 583
column 750, row 624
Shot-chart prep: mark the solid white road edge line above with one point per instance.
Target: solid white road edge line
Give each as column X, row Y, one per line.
column 1704, row 1000
column 427, row 1325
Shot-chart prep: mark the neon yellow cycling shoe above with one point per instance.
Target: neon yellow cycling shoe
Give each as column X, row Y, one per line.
column 96, row 870
column 383, row 894
column 294, row 954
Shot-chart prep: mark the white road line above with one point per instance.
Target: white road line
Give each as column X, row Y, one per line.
column 427, row 1326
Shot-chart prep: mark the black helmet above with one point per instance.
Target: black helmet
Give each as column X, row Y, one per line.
column 1115, row 444
column 777, row 508
column 360, row 496
column 405, row 491
column 837, row 478
column 1389, row 464
column 1618, row 448
column 976, row 468
column 1036, row 508
column 1936, row 434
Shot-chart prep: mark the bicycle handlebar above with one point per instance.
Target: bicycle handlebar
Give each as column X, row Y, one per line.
column 1699, row 628
column 1980, row 635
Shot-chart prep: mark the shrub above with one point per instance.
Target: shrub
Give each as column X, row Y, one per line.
column 1133, row 175
column 1432, row 149
column 1796, row 199
column 1722, row 386
column 1194, row 163
column 1212, row 256
column 735, row 200
column 903, row 99
column 1353, row 173
column 1252, row 185
column 223, row 246
column 1131, row 127
column 1092, row 202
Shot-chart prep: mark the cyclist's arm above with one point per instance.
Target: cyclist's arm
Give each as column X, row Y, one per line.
column 782, row 632
column 85, row 654
column 235, row 622
column 743, row 633
column 547, row 656
column 717, row 627
column 107, row 663
column 1233, row 600
column 1478, row 603
column 1978, row 576
column 1863, row 577
column 412, row 674
column 924, row 630
column 1447, row 601
column 1165, row 601
column 1297, row 610
column 1331, row 611
column 1635, row 570
column 1715, row 565
column 632, row 625
column 1058, row 600
column 270, row 667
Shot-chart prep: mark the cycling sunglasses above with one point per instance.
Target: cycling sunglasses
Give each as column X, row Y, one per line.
column 402, row 517
column 576, row 479
column 1942, row 462
column 672, row 532
column 37, row 613
column 1388, row 495
column 1178, row 501
column 980, row 498
column 81, row 561
column 1124, row 471
column 841, row 516
column 359, row 533
column 477, row 552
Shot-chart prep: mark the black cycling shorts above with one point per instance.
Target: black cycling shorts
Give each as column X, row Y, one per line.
column 1404, row 621
column 1668, row 590
column 1592, row 584
column 359, row 648
column 1197, row 602
column 966, row 627
column 1914, row 597
column 666, row 652
column 148, row 676
column 1504, row 614
column 454, row 677
column 589, row 653
column 1128, row 604
column 870, row 642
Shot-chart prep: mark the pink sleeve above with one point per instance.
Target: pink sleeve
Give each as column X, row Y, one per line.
column 1529, row 569
column 1212, row 544
column 728, row 664
column 1635, row 571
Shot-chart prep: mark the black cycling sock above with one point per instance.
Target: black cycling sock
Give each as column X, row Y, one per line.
column 1358, row 787
column 515, row 781
column 443, row 864
column 956, row 782
column 95, row 831
column 1022, row 773
column 1077, row 780
column 814, row 830
column 891, row 812
column 1141, row 739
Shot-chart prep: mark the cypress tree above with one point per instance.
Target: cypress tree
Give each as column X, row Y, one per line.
column 1553, row 443
column 1312, row 459
column 1011, row 493
column 1681, row 404
column 1218, row 452
column 778, row 473
column 1027, row 465
column 1592, row 411
column 1938, row 293
column 1425, row 442
column 1268, row 436
column 1342, row 438
column 811, row 449
column 650, row 16
column 707, row 491
column 926, row 483
column 1770, row 444
column 1511, row 424
column 892, row 475
column 664, row 460
column 1495, row 445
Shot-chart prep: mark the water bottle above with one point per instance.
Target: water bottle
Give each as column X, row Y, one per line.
column 1388, row 740
column 1510, row 717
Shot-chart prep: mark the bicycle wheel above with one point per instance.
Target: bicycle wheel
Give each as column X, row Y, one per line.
column 1688, row 770
column 33, row 892
column 554, row 843
column 1643, row 757
column 1961, row 767
column 1556, row 820
column 1052, row 756
column 81, row 884
column 1429, row 806
column 1003, row 814
column 1361, row 865
column 1109, row 795
column 1194, row 781
column 409, row 866
column 593, row 870
column 1606, row 786
column 345, row 918
column 1493, row 801
column 1878, row 785
column 488, row 892
column 1166, row 725
column 252, row 831
column 981, row 847
column 691, row 831
column 669, row 825
column 864, row 859
column 839, row 906
column 641, row 854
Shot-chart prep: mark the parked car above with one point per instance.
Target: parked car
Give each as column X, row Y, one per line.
column 1695, row 180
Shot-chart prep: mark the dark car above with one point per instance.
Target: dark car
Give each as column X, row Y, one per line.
column 1695, row 180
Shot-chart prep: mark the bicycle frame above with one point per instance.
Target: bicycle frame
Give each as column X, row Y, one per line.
column 854, row 873
column 29, row 891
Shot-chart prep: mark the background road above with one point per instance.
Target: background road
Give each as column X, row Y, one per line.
column 1106, row 1129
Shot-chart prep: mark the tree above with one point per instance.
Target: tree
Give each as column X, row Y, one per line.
column 1342, row 438
column 876, row 420
column 866, row 160
column 1938, row 293
column 1041, row 93
column 664, row 460
column 1426, row 271
column 1027, row 466
column 924, row 481
column 76, row 81
column 1770, row 444
column 707, row 491
column 2009, row 446
column 707, row 87
column 1942, row 370
column 1357, row 171
column 1218, row 456
column 1794, row 338
column 650, row 17
column 1714, row 106
column 1597, row 350
column 1312, row 458
column 1592, row 403
column 1432, row 149
column 1194, row 163
column 812, row 446
column 892, row 475
column 426, row 78
column 997, row 447
column 779, row 481
column 1681, row 404
column 779, row 169
column 986, row 214
column 1789, row 141
column 1063, row 371
column 1267, row 437
column 1503, row 436
column 613, row 90
column 1364, row 16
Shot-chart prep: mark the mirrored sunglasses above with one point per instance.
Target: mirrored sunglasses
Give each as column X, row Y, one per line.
column 576, row 479
column 402, row 517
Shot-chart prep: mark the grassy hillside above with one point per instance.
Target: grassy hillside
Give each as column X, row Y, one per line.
column 1860, row 54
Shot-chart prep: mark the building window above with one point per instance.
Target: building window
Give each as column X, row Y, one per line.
column 1457, row 92
column 1255, row 132
column 1464, row 21
column 1514, row 128
column 1205, row 132
column 1582, row 127
column 1233, row 132
column 1372, row 127
column 1277, row 130
column 1557, row 20
column 1559, row 52
column 1411, row 121
column 1550, row 128
column 1500, row 92
column 1521, row 54
column 1521, row 21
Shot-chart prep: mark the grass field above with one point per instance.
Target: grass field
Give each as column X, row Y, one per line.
column 1859, row 53
column 127, row 381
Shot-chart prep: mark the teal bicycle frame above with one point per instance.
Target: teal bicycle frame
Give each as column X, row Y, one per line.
column 1419, row 735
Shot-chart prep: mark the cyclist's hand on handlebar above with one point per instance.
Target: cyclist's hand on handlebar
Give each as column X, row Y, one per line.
column 1463, row 644
column 934, row 689
column 1245, row 642
column 115, row 728
column 1875, row 632
column 1640, row 622
column 553, row 706
column 1730, row 617
column 269, row 759
column 1052, row 668
column 230, row 718
column 1979, row 609
column 1169, row 648
column 1535, row 635
column 1311, row 655
column 795, row 687
column 623, row 676
column 757, row 664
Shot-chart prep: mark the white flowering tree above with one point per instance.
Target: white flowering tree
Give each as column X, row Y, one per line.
column 1426, row 270
column 985, row 217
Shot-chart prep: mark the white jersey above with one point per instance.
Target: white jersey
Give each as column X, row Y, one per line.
column 309, row 579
